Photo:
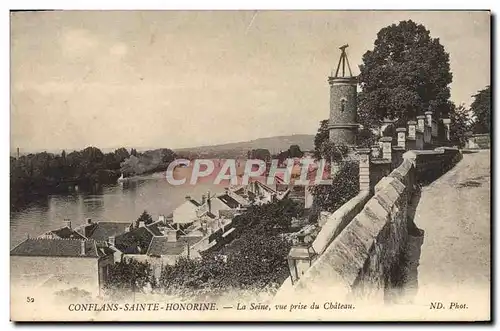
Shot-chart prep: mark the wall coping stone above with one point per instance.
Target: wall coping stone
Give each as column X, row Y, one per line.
column 329, row 231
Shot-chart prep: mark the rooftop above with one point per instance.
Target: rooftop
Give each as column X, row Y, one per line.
column 103, row 230
column 229, row 201
column 59, row 248
column 136, row 241
column 154, row 229
column 67, row 233
column 161, row 246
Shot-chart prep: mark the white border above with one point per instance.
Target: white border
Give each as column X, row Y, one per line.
column 186, row 4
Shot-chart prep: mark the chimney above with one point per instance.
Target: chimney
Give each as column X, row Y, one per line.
column 82, row 251
column 203, row 199
column 111, row 240
column 127, row 229
column 161, row 218
column 141, row 224
column 67, row 223
column 428, row 117
column 172, row 236
column 209, row 202
column 89, row 221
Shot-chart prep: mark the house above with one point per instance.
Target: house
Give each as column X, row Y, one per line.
column 102, row 231
column 170, row 248
column 60, row 264
column 65, row 232
column 222, row 202
column 135, row 241
column 243, row 192
column 263, row 193
column 186, row 212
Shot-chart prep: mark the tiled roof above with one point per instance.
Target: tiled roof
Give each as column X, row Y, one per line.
column 67, row 233
column 209, row 214
column 103, row 230
column 136, row 241
column 160, row 245
column 57, row 247
column 226, row 199
column 153, row 228
column 239, row 198
column 265, row 187
column 194, row 202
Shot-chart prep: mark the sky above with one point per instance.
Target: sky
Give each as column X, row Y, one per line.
column 173, row 79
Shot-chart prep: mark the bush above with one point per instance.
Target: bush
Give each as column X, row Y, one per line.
column 345, row 186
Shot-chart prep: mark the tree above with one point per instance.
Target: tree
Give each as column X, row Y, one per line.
column 259, row 154
column 145, row 217
column 294, row 151
column 130, row 276
column 481, row 108
column 344, row 187
column 406, row 74
column 121, row 154
column 460, row 124
column 321, row 136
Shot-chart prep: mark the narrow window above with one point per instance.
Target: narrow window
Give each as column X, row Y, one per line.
column 342, row 105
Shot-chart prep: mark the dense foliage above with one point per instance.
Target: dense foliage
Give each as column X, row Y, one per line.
column 293, row 151
column 129, row 276
column 145, row 217
column 481, row 108
column 345, row 186
column 407, row 73
column 460, row 125
column 147, row 162
column 45, row 173
column 259, row 154
column 256, row 259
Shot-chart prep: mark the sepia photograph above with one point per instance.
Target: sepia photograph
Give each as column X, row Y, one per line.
column 250, row 165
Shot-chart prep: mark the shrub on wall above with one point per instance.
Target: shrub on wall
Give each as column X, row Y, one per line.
column 345, row 186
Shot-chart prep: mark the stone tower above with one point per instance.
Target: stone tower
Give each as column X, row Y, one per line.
column 343, row 104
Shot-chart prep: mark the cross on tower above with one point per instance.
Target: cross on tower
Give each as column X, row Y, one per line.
column 343, row 60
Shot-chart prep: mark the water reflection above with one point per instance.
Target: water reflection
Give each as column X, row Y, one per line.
column 114, row 203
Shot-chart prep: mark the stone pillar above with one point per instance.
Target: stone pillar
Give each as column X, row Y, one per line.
column 412, row 128
column 386, row 147
column 421, row 123
column 364, row 168
column 447, row 123
column 401, row 137
column 428, row 118
column 376, row 151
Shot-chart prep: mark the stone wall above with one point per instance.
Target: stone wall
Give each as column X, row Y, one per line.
column 361, row 261
column 56, row 271
column 479, row 141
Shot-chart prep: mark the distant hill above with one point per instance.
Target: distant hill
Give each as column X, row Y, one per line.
column 240, row 149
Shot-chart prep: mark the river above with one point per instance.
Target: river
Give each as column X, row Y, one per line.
column 112, row 203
